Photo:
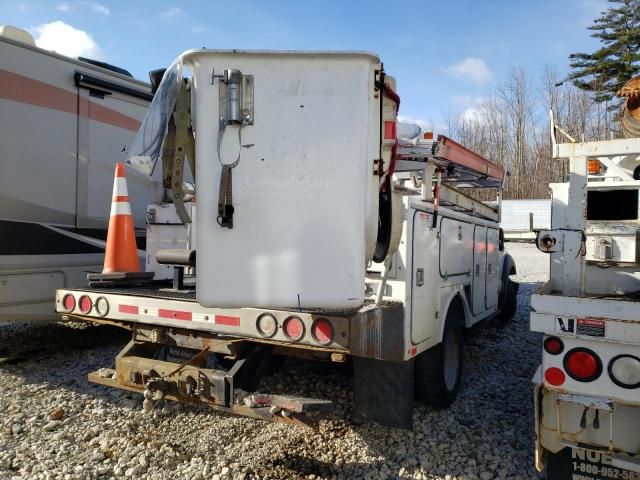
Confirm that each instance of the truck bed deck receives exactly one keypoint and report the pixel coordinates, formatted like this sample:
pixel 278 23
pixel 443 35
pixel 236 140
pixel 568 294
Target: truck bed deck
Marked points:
pixel 162 290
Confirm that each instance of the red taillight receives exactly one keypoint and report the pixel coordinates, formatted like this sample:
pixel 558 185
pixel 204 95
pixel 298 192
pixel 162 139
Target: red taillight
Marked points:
pixel 553 345
pixel 554 376
pixel 293 328
pixel 389 130
pixel 68 302
pixel 322 331
pixel 582 364
pixel 85 304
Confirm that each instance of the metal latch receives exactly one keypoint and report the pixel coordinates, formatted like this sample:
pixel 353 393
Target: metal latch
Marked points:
pixel 420 277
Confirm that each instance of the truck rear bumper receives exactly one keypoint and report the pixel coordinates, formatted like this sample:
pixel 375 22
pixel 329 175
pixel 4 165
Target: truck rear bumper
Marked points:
pixel 564 420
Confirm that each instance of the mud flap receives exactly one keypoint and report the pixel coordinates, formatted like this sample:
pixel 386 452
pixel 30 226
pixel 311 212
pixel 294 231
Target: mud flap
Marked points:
pixel 383 392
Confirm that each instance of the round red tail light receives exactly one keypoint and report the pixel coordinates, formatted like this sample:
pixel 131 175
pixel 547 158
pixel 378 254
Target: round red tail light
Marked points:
pixel 582 364
pixel 267 325
pixel 293 328
pixel 68 302
pixel 322 331
pixel 553 345
pixel 85 304
pixel 554 376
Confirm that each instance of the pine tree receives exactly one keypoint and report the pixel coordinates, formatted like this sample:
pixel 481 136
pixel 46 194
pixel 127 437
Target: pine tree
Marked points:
pixel 608 68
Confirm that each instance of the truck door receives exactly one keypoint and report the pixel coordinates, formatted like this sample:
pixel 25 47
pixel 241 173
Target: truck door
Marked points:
pixel 479 269
pixel 425 277
pixel 492 283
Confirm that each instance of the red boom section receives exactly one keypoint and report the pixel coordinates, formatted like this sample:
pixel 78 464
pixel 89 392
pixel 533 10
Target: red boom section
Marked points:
pixel 452 151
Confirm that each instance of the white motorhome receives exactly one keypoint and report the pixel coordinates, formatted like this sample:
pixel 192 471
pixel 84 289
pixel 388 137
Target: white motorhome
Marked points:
pixel 318 234
pixel 65 123
pixel 587 394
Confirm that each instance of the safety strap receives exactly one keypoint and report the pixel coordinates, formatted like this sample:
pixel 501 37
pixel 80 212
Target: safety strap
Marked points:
pixel 225 191
pixel 225 197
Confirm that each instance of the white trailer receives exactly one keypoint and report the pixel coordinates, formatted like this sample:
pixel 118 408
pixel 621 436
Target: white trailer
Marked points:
pixel 521 219
pixel 587 393
pixel 318 234
pixel 65 122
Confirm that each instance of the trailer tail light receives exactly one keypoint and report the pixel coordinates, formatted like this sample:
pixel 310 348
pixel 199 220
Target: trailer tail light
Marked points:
pixel 554 376
pixel 293 328
pixel 267 325
pixel 582 364
pixel 624 371
pixel 322 331
pixel 101 306
pixel 593 166
pixel 553 345
pixel 68 302
pixel 85 304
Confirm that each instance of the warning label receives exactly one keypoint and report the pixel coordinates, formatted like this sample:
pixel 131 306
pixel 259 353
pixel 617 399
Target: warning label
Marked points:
pixel 593 327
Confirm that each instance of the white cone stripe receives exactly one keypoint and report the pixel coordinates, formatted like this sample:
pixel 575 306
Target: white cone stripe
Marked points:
pixel 120 187
pixel 120 208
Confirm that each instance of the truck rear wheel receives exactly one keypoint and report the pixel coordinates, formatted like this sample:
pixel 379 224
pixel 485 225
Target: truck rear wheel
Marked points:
pixel 510 305
pixel 438 371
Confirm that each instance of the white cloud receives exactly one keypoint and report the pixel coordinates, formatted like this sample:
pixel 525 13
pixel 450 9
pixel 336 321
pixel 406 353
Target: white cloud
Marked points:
pixel 172 12
pixel 474 69
pixel 67 40
pixel 98 8
pixel 425 125
pixel 198 29
pixel 63 7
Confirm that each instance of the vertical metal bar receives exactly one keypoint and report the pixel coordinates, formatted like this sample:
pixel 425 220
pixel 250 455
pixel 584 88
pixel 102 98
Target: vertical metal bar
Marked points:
pixel 573 261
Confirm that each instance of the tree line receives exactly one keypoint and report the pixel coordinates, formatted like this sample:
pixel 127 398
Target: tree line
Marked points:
pixel 512 128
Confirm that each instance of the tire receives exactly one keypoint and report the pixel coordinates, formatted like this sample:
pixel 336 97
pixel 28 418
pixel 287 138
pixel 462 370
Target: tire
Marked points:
pixel 510 305
pixel 438 371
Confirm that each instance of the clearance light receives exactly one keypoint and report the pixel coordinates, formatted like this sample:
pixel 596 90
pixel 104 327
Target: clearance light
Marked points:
pixel 553 345
pixel 322 331
pixel 267 325
pixel 624 370
pixel 85 304
pixel 293 328
pixel 593 167
pixel 554 376
pixel 582 364
pixel 102 306
pixel 68 302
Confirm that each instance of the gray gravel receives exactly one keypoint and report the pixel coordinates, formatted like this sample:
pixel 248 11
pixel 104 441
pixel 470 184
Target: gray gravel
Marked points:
pixel 54 424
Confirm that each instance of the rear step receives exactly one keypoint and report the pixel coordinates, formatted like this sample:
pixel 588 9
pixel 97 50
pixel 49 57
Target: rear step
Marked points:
pixel 147 368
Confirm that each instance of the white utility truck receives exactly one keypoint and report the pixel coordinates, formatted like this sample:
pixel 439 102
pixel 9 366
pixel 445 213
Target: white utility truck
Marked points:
pixel 319 234
pixel 587 394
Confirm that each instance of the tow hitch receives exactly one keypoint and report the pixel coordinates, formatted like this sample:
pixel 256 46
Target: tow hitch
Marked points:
pixel 168 371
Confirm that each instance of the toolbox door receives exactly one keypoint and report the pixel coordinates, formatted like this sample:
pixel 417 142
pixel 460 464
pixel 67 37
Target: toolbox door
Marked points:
pixel 492 282
pixel 479 269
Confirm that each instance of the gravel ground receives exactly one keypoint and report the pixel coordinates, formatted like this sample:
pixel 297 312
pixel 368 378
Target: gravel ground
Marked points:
pixel 54 424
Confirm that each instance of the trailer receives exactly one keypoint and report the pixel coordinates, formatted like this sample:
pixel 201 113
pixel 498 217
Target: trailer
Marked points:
pixel 312 231
pixel 521 219
pixel 65 123
pixel 587 389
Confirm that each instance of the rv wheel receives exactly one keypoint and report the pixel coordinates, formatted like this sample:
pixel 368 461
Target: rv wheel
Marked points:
pixel 438 371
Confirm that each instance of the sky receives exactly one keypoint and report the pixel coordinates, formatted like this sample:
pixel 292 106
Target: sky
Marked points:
pixel 446 55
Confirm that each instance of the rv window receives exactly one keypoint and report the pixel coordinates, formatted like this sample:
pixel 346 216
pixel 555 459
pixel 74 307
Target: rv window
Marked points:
pixel 612 205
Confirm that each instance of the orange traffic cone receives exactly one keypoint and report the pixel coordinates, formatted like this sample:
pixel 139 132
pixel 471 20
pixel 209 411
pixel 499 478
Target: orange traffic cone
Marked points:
pixel 121 254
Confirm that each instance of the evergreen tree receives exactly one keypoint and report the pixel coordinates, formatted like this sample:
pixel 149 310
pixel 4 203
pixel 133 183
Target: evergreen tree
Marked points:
pixel 608 68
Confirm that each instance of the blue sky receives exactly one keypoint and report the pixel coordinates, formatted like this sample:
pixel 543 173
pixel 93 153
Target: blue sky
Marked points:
pixel 445 55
